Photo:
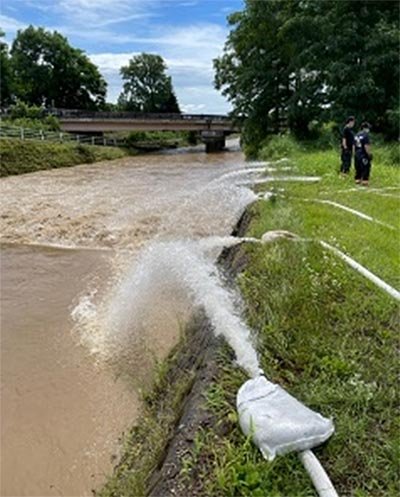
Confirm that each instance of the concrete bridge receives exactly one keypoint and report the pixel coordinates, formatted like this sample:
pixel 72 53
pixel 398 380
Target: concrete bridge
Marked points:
pixel 212 128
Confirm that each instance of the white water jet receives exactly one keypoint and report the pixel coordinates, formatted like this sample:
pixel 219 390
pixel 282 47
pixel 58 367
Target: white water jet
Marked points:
pixel 271 179
pixel 239 172
pixel 258 163
pixel 167 267
pixel 220 242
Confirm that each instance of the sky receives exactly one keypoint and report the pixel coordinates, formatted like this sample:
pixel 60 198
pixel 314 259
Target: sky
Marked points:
pixel 188 34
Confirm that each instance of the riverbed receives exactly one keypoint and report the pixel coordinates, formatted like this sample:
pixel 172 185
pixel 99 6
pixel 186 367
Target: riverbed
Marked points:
pixel 82 323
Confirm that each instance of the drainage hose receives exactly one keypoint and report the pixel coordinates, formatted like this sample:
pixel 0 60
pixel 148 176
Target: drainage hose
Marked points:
pixel 320 479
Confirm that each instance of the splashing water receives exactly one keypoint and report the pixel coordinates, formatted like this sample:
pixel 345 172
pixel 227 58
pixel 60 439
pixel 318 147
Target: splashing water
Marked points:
pixel 179 266
pixel 172 277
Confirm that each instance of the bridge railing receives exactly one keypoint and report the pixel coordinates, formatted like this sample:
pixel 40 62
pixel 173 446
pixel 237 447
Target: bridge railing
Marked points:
pixel 84 114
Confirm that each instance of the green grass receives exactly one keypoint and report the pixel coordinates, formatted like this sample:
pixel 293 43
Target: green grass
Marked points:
pixel 25 156
pixel 324 333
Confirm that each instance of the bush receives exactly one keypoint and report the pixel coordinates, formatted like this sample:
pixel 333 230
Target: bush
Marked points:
pixel 160 138
pixel 393 118
pixel 25 116
pixel 325 135
pixel 251 150
pixel 136 136
pixel 48 123
pixel 278 146
pixel 387 155
pixel 23 110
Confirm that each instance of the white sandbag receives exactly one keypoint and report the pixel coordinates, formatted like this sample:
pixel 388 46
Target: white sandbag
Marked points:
pixel 277 422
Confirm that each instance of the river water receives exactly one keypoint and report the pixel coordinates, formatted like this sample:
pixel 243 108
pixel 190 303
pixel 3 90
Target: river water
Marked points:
pixel 90 300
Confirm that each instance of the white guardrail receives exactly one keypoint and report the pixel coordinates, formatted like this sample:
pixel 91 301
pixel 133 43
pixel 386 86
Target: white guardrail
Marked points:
pixel 7 131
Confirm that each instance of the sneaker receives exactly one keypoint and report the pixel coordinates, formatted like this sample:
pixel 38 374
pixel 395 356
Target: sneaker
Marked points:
pixel 365 183
pixel 358 181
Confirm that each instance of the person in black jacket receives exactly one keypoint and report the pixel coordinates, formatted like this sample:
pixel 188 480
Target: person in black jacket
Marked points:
pixel 347 145
pixel 363 155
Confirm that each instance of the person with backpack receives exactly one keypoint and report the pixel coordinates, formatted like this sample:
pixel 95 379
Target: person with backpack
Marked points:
pixel 363 155
pixel 347 145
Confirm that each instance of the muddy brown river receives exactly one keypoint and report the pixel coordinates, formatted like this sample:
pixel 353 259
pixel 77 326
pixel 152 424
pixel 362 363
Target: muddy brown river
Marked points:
pixel 82 322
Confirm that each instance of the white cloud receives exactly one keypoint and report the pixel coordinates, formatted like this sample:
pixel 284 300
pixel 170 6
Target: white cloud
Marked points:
pixel 11 25
pixel 110 63
pixel 189 4
pixel 99 13
pixel 192 82
pixel 187 50
pixel 203 99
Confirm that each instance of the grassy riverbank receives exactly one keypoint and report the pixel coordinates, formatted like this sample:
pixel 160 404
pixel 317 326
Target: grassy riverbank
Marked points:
pixel 322 331
pixel 26 156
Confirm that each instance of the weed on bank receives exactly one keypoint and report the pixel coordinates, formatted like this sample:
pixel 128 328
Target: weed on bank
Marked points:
pixel 323 332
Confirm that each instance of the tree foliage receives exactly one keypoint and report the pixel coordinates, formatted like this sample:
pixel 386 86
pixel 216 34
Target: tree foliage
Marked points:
pixel 47 70
pixel 5 73
pixel 290 62
pixel 147 87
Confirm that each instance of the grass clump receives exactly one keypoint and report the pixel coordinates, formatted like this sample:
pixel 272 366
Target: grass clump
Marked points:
pixel 26 156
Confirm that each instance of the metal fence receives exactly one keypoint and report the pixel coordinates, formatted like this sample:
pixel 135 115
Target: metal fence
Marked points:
pixel 9 131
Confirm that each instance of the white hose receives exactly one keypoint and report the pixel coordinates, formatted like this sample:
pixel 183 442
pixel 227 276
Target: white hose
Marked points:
pixel 320 479
pixel 364 271
pixel 349 209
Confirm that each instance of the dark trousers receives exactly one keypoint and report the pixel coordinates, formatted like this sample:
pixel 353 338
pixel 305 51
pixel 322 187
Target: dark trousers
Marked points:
pixel 346 161
pixel 363 167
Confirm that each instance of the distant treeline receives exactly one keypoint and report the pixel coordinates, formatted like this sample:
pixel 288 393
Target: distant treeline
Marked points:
pixel 302 63
pixel 42 69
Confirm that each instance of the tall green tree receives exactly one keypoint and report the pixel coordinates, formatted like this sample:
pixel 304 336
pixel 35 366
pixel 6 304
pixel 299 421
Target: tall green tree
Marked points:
pixel 47 70
pixel 294 61
pixel 5 73
pixel 362 58
pixel 267 70
pixel 147 87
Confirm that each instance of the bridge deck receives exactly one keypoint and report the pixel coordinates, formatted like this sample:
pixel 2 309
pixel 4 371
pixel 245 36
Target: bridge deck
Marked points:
pixel 97 125
pixel 83 121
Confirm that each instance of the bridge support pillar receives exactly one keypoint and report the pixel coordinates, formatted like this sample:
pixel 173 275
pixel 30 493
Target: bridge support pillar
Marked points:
pixel 214 140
